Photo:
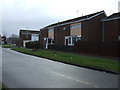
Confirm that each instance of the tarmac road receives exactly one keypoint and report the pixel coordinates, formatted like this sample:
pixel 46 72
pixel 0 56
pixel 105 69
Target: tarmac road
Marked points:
pixel 25 71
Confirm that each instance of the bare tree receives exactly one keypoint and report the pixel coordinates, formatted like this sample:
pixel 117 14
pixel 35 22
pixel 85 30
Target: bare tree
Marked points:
pixel 12 39
pixel 4 33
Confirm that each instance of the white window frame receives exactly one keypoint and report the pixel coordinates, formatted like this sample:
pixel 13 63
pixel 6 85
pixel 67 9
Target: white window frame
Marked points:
pixel 78 37
pixel 46 44
pixel 51 41
pixel 34 37
pixel 51 30
pixel 71 44
pixel 65 39
pixel 119 38
pixel 76 26
pixel 47 40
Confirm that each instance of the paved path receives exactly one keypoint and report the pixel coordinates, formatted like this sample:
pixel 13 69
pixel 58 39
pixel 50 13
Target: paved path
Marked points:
pixel 25 71
pixel 0 64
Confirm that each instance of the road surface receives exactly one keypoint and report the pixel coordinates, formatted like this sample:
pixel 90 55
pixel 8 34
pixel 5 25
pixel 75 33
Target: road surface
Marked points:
pixel 25 71
pixel 0 67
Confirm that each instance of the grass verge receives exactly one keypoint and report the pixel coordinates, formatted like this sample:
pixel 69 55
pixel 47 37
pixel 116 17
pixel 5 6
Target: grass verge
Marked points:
pixel 0 85
pixel 7 45
pixel 87 61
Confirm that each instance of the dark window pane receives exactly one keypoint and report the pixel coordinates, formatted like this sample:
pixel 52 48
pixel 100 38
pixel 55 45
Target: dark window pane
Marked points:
pixel 49 40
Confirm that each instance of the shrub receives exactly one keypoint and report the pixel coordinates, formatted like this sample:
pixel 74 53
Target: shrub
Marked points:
pixel 33 45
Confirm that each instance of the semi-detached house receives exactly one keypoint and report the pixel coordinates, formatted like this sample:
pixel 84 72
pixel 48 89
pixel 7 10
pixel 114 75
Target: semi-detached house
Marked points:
pixel 28 36
pixel 85 28
pixel 111 27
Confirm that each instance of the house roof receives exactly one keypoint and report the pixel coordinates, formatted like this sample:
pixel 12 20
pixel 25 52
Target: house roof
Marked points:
pixel 29 30
pixel 78 19
pixel 114 16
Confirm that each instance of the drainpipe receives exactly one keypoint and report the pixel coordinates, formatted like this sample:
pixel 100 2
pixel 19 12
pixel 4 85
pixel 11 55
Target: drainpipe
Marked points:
pixel 103 34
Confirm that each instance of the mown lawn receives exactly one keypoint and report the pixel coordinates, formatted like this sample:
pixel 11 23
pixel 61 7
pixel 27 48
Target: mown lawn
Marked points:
pixel 7 45
pixel 94 62
pixel 0 85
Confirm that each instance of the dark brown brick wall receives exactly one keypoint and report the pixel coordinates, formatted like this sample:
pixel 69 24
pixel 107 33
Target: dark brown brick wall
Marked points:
pixel 19 42
pixel 43 34
pixel 84 31
pixel 107 48
pixel 60 33
pixel 111 30
pixel 27 37
pixel 92 29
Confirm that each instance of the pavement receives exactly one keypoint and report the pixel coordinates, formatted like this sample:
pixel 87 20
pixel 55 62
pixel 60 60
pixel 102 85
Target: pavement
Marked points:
pixel 25 71
pixel 0 67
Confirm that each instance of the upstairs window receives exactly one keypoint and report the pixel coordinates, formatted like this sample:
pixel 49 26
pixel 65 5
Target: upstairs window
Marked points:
pixel 35 37
pixel 75 26
pixel 51 33
pixel 51 30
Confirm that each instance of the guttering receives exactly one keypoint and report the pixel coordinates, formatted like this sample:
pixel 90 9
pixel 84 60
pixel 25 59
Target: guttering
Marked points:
pixel 75 21
pixel 111 19
pixel 29 29
pixel 96 15
pixel 43 28
pixel 90 17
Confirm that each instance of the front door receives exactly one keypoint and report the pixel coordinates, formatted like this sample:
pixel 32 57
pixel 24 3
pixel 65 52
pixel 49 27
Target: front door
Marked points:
pixel 66 41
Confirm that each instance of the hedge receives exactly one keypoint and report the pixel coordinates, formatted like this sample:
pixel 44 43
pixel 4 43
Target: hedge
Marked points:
pixel 33 45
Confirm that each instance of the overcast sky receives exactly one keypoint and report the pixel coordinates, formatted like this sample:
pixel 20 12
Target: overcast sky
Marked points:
pixel 35 14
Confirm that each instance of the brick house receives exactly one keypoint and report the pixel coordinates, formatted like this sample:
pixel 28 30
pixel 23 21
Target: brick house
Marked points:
pixel 28 35
pixel 111 27
pixel 85 28
pixel 0 39
pixel 110 44
pixel 3 40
